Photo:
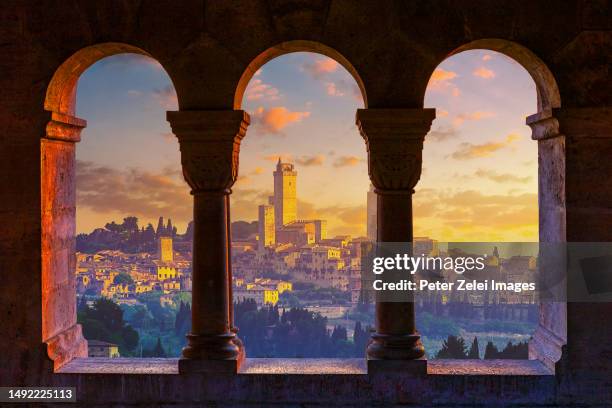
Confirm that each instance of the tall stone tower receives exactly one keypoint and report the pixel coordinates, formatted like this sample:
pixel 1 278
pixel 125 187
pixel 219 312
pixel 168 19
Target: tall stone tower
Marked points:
pixel 285 194
pixel 266 226
pixel 371 211
pixel 165 249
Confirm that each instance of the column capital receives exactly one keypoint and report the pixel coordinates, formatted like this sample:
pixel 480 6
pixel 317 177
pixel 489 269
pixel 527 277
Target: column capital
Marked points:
pixel 64 128
pixel 543 125
pixel 210 145
pixel 394 140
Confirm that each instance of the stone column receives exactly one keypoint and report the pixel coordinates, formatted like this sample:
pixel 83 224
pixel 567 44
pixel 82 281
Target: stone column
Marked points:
pixel 394 140
pixel 210 144
pixel 60 330
pixel 551 334
pixel 587 191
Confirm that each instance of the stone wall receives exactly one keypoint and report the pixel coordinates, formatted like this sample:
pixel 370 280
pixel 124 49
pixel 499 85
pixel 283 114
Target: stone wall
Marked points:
pixel 210 50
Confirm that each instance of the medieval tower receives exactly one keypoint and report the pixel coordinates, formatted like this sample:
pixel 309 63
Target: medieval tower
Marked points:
pixel 285 194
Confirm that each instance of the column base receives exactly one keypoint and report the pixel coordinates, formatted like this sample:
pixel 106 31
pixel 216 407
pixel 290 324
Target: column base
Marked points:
pixel 239 344
pixel 395 347
pixel 414 368
pixel 222 353
pixel 212 353
pixel 66 346
pixel 186 366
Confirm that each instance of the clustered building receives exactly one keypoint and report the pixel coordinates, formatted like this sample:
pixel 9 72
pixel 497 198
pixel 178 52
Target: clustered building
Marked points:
pixel 518 306
pixel 123 276
pixel 297 249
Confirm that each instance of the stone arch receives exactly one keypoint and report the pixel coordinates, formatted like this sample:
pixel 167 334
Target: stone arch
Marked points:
pixel 550 336
pixel 60 331
pixel 61 92
pixel 548 93
pixel 289 47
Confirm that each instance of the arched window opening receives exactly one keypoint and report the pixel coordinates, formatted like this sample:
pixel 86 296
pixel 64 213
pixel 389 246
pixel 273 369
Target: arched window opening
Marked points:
pixel 299 209
pixel 133 250
pixel 480 184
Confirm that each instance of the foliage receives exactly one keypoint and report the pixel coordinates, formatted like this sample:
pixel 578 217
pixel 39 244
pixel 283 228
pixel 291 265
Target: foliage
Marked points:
pixel 104 321
pixel 123 278
pixel 453 347
pixel 288 299
pixel 294 332
pixel 511 351
pixel 436 326
pixel 474 352
pixel 157 351
pixel 182 321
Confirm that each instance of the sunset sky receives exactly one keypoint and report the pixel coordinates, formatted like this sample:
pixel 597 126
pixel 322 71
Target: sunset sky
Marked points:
pixel 479 180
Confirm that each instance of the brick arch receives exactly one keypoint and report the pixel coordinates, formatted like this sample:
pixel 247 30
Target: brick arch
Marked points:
pixel 61 92
pixel 289 47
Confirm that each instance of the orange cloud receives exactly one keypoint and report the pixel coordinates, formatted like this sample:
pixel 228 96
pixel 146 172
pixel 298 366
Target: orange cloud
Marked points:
pixel 259 90
pixel 477 115
pixel 484 73
pixel 341 219
pixel 320 67
pixel 441 134
pixel 105 190
pixel 347 161
pixel 469 151
pixel 285 157
pixel 470 215
pixel 440 75
pixel 306 161
pixel 274 120
pixel 501 177
pixel 440 81
pixel 486 57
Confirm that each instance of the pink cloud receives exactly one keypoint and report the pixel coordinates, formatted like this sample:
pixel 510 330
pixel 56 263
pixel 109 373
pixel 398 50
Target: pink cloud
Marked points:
pixel 274 120
pixel 347 161
pixel 441 81
pixel 320 67
pixel 166 97
pixel 286 157
pixel 469 151
pixel 332 89
pixel 477 115
pixel 259 90
pixel 440 75
pixel 486 57
pixel 483 72
pixel 313 160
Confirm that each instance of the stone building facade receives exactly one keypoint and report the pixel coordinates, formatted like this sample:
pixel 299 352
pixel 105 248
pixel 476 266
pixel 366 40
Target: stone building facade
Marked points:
pixel 210 50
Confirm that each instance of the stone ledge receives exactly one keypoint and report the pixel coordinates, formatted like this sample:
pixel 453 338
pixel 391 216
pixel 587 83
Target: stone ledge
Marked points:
pixel 121 366
pixel 487 367
pixel 297 366
pixel 312 366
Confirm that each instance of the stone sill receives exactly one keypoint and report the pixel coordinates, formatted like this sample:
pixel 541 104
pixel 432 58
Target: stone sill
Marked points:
pixel 300 366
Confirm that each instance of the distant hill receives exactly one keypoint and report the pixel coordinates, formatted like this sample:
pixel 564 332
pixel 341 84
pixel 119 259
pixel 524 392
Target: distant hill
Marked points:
pixel 241 230
pixel 128 237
